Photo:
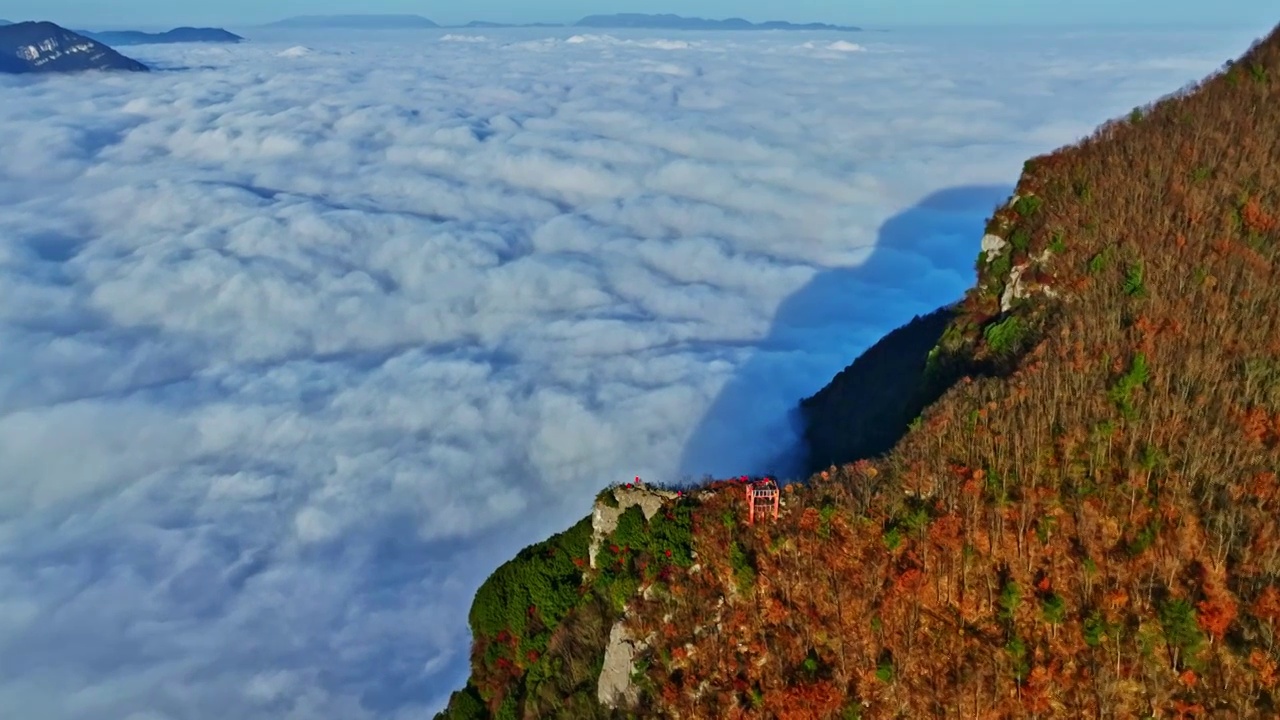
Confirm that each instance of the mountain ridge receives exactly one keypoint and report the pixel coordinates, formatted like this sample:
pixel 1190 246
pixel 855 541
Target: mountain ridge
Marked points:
pixel 42 47
pixel 603 21
pixel 176 35
pixel 1081 523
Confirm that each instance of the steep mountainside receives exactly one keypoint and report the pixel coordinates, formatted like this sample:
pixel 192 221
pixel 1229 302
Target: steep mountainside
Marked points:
pixel 176 35
pixel 44 47
pixel 866 409
pixel 1084 523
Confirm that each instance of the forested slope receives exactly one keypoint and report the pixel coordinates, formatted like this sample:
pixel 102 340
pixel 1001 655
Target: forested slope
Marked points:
pixel 1083 524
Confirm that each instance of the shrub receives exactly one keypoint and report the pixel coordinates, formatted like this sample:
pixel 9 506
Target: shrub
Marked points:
pixel 744 572
pixel 1122 392
pixel 465 704
pixel 607 498
pixel 1044 526
pixel 892 538
pixel 1133 282
pixel 1019 662
pixel 1094 629
pixel 810 665
pixel 1010 598
pixel 917 520
pixel 1020 240
pixel 1144 539
pixel 1181 632
pixel 1028 205
pixel 1006 336
pixel 1100 261
pixel 824 519
pixel 508 710
pixel 1057 244
pixel 1000 267
pixel 1053 609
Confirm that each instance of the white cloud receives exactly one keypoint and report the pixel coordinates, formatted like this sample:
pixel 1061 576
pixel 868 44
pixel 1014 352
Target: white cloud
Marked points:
pixel 298 342
pixel 610 40
pixel 838 46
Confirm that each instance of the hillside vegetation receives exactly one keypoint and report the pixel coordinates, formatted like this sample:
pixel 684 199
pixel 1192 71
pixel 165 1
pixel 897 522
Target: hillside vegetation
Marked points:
pixel 1083 524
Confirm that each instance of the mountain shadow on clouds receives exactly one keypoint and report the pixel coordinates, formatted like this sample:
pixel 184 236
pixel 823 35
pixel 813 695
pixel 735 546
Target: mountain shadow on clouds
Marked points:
pixel 922 262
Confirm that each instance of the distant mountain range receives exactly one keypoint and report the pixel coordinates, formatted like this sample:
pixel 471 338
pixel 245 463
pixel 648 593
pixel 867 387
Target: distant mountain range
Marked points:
pixel 618 21
pixel 483 24
pixel 405 22
pixel 176 35
pixel 40 47
pixel 677 22
pixel 355 22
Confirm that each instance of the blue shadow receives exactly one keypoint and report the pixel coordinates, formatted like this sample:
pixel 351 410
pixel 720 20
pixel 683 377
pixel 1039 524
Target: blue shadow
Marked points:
pixel 923 259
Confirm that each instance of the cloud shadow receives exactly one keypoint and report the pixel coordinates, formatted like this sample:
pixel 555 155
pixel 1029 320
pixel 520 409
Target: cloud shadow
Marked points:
pixel 923 260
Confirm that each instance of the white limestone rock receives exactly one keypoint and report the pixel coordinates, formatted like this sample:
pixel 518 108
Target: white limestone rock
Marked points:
pixel 992 246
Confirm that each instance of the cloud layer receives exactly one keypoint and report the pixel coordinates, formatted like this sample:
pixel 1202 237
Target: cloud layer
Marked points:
pixel 299 339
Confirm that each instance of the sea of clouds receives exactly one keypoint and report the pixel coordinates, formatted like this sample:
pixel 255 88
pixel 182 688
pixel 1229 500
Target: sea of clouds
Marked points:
pixel 299 339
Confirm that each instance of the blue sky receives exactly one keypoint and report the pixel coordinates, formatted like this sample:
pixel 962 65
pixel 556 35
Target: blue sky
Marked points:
pixel 867 12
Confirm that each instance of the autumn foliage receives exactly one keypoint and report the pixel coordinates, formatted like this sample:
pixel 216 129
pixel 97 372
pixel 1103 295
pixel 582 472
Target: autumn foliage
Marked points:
pixel 1086 523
